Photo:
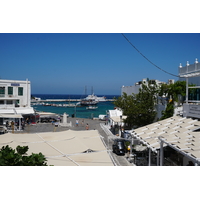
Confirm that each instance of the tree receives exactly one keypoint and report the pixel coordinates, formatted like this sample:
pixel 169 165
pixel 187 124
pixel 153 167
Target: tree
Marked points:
pixel 139 108
pixel 169 111
pixel 172 92
pixel 10 157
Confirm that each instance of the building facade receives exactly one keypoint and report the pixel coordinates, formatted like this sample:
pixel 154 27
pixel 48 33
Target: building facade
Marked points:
pixel 15 98
pixel 191 73
pixel 129 90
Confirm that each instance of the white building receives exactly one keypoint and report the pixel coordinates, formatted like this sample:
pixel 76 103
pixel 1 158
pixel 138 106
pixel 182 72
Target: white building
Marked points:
pixel 181 134
pixel 15 96
pixel 191 73
pixel 129 90
pixel 116 120
pixel 161 103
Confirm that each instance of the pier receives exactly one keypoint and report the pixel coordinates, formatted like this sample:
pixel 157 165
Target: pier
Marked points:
pixel 61 100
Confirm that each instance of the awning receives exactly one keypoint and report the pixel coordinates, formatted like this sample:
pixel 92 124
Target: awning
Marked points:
pixel 7 111
pixel 10 116
pixel 66 148
pixel 24 111
pixel 118 118
pixel 47 114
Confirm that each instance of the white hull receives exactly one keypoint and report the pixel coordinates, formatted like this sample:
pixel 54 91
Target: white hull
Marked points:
pixel 95 98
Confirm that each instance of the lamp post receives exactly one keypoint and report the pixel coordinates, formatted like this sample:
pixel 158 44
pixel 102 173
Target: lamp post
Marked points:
pixel 75 111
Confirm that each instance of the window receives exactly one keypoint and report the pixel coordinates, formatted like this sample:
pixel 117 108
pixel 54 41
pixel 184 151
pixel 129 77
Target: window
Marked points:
pixel 10 90
pixel 20 91
pixel 2 91
pixel 17 103
pixel 9 102
pixel 1 102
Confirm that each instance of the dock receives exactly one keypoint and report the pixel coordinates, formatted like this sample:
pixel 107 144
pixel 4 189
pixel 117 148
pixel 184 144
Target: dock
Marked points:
pixel 61 100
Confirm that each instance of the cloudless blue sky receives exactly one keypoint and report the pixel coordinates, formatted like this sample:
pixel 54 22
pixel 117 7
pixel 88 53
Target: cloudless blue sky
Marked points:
pixel 65 63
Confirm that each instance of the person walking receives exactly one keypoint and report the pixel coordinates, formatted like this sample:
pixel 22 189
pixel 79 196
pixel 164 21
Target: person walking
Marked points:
pixel 13 126
pixel 77 122
pixel 55 126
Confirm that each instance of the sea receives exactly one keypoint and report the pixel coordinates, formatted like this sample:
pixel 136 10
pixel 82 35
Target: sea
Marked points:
pixel 79 112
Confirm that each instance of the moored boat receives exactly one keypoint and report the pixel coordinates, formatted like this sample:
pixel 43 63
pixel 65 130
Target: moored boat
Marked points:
pixel 96 98
pixel 91 107
pixel 88 102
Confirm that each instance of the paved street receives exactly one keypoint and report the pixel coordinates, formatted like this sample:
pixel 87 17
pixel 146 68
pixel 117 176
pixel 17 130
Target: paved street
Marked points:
pixel 107 136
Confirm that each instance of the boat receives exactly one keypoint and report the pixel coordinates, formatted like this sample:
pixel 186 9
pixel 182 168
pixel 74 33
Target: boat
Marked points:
pixel 91 107
pixel 91 99
pixel 88 102
pixel 96 98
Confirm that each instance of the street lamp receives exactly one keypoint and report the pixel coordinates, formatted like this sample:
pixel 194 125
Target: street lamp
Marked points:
pixel 75 111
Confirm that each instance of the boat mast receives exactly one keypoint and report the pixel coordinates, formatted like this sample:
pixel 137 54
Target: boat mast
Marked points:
pixel 92 90
pixel 85 90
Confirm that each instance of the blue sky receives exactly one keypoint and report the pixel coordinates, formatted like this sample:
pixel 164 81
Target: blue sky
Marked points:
pixel 64 63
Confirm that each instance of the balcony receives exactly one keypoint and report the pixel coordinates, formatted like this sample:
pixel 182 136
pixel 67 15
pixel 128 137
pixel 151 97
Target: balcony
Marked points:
pixel 191 110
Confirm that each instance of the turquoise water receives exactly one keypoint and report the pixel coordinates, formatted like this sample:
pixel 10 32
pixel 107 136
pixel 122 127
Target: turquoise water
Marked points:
pixel 80 112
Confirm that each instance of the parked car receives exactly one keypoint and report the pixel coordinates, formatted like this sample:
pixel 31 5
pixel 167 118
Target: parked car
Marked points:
pixel 126 135
pixel 119 147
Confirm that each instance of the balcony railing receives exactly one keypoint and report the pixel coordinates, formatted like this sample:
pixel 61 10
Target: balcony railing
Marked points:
pixel 189 69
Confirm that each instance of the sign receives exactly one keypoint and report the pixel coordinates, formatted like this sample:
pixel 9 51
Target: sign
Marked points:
pixel 15 84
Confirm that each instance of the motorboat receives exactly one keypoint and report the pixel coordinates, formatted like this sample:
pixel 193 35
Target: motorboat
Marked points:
pixel 91 107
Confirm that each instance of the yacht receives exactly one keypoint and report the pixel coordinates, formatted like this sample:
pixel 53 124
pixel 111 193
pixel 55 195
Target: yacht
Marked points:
pixel 88 102
pixel 95 98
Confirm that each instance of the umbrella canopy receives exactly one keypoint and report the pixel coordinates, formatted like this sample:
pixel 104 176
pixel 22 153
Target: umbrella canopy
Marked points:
pixel 67 148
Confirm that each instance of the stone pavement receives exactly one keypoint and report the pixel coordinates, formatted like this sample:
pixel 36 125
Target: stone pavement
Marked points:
pixel 48 127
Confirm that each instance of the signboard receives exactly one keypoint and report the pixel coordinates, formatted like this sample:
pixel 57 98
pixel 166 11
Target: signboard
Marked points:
pixel 15 84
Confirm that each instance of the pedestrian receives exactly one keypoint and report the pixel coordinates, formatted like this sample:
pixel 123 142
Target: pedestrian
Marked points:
pixel 77 122
pixel 12 126
pixel 27 121
pixel 82 122
pixel 7 124
pixel 23 124
pixel 56 125
pixel 87 127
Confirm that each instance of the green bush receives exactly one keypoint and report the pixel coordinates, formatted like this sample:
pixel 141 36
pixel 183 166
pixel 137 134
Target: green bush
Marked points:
pixel 10 157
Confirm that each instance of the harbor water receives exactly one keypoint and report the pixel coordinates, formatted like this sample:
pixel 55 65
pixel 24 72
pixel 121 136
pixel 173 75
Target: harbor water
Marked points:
pixel 79 112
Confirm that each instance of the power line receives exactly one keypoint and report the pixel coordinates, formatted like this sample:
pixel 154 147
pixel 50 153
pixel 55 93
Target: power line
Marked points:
pixel 147 58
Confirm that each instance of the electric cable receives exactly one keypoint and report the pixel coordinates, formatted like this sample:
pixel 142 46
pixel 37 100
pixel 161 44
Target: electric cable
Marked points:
pixel 147 58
